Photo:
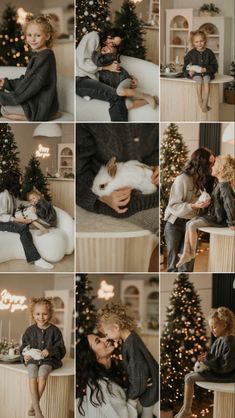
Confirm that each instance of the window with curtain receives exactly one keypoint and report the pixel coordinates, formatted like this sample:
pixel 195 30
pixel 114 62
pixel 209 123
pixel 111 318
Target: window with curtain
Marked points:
pixel 210 136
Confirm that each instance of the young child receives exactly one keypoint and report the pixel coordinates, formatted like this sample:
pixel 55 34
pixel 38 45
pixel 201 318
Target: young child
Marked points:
pixel 33 96
pixel 122 80
pixel 220 361
pixel 47 338
pixel 220 212
pixel 207 64
pixel 142 369
pixel 43 209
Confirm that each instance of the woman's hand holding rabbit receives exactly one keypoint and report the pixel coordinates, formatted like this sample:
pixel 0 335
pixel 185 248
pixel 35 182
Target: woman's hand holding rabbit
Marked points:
pixel 155 175
pixel 22 220
pixel 27 358
pixel 200 205
pixel 201 357
pixel 118 199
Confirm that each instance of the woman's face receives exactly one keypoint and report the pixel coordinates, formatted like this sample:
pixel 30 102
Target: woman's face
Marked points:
pixel 116 41
pixel 101 347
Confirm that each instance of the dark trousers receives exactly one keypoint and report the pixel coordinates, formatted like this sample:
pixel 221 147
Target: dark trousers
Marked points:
pixel 30 250
pixel 174 236
pixel 85 86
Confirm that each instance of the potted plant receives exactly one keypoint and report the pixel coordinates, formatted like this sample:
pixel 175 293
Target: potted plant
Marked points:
pixel 229 91
pixel 209 9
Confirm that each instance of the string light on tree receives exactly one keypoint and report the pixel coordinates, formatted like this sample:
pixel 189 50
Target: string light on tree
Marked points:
pixel 183 339
pixel 133 28
pixel 85 309
pixel 92 15
pixel 13 50
pixel 174 154
pixel 9 160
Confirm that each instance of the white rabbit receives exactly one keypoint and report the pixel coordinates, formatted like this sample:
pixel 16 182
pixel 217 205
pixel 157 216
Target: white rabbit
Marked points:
pixel 33 352
pixel 195 68
pixel 204 197
pixel 200 367
pixel 115 176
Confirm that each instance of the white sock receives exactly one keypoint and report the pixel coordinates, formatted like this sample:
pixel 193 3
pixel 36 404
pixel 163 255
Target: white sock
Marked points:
pixel 43 264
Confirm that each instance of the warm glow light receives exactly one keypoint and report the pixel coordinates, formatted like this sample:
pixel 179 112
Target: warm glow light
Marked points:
pixel 105 291
pixel 12 302
pixel 21 16
pixel 42 152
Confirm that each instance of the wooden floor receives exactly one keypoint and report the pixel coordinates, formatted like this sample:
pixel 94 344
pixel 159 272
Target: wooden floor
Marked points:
pixel 66 265
pixel 201 261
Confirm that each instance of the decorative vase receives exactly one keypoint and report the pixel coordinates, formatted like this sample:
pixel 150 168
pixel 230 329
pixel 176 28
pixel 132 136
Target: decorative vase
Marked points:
pixel 205 13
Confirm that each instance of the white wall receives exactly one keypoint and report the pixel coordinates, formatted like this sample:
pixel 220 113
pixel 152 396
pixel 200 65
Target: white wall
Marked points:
pixel 225 147
pixel 202 283
pixel 27 144
pixel 190 132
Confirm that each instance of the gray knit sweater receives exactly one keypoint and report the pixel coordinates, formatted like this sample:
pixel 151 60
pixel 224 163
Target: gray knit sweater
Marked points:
pixel 35 91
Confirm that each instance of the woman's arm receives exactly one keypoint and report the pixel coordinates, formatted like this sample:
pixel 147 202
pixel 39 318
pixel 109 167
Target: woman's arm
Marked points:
pixel 87 45
pixel 178 205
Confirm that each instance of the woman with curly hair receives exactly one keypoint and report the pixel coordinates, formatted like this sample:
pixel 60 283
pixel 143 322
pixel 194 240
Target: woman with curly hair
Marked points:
pixel 219 363
pixel 220 212
pixel 99 381
pixel 142 369
pixel 183 203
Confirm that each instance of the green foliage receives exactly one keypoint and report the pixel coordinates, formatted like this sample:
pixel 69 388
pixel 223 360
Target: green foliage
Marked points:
pixel 9 160
pixel 173 157
pixel 34 178
pixel 91 15
pixel 13 50
pixel 183 339
pixel 85 309
pixel 128 22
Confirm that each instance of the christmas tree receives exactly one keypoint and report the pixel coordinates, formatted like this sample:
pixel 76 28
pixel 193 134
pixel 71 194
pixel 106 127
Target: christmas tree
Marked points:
pixel 133 29
pixel 183 339
pixel 13 50
pixel 91 15
pixel 173 157
pixel 34 178
pixel 85 309
pixel 9 160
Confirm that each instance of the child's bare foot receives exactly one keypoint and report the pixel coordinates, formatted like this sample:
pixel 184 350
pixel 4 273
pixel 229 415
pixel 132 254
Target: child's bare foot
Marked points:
pixel 184 258
pixel 31 412
pixel 151 100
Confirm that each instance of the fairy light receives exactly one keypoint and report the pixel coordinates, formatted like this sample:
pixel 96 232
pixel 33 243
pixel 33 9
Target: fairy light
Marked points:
pixel 12 302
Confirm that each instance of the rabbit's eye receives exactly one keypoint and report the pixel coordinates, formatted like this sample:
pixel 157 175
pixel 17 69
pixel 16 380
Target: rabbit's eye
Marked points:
pixel 102 186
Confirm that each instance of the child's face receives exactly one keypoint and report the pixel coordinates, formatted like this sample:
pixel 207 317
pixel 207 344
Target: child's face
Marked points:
pixel 199 42
pixel 101 347
pixel 111 331
pixel 116 41
pixel 217 328
pixel 33 199
pixel 36 37
pixel 41 315
pixel 108 49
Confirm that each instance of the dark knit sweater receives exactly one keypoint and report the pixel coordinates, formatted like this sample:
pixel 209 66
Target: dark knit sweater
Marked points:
pixel 140 366
pixel 204 59
pixel 50 339
pixel 35 91
pixel 46 212
pixel 221 361
pixel 111 78
pixel 96 143
pixel 222 208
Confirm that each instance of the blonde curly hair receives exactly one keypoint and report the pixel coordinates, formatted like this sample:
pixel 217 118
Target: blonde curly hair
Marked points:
pixel 48 24
pixel 116 313
pixel 41 301
pixel 224 167
pixel 224 315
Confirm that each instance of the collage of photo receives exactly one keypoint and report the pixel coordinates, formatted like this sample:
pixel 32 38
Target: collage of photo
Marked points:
pixel 117 209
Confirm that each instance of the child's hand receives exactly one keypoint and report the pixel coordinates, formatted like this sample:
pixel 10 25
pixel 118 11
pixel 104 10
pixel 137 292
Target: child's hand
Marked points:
pixel 134 82
pixel 114 67
pixel 201 357
pixel 203 70
pixel 149 383
pixel 45 353
pixel 191 73
pixel 155 175
pixel 200 205
pixel 27 358
pixel 23 220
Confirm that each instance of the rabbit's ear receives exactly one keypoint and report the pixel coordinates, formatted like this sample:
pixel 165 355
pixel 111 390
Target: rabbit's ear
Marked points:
pixel 112 167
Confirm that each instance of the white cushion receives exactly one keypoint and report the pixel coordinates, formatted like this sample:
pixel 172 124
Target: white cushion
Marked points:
pixel 51 246
pixel 65 88
pixel 147 74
